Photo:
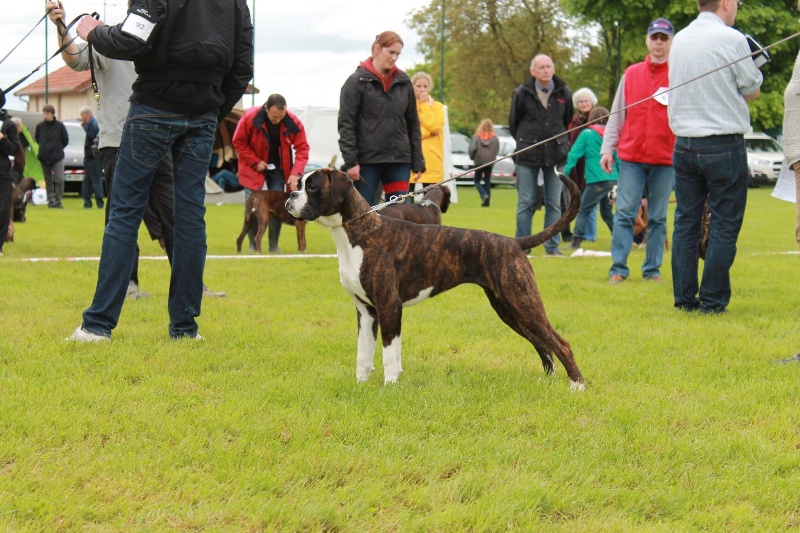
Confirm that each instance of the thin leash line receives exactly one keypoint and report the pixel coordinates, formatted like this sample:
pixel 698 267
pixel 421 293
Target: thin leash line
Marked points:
pixel 23 39
pixel 567 132
pixel 62 48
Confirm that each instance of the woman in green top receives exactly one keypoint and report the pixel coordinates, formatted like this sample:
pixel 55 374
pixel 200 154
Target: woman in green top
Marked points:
pixel 598 183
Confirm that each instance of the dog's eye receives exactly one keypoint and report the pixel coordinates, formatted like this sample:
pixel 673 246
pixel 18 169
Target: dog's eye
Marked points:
pixel 310 186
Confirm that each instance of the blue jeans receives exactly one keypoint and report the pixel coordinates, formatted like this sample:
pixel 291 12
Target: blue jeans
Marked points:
pixel 590 230
pixel 92 182
pixel 148 136
pixel 712 167
pixel 483 182
pixel 393 176
pixel 655 182
pixel 526 191
pixel 594 194
pixel 227 180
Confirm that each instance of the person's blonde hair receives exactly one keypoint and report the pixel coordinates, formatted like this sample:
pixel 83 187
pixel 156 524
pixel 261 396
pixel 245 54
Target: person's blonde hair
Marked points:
pixel 387 38
pixel 486 125
pixel 425 75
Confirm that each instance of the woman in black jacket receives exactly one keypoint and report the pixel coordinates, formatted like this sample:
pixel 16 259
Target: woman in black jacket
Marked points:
pixel 379 134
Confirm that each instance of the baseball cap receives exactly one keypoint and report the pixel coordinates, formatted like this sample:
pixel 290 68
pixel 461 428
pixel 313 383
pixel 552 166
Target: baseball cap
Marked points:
pixel 661 25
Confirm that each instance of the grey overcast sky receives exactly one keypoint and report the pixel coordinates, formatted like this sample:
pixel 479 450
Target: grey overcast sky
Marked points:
pixel 305 49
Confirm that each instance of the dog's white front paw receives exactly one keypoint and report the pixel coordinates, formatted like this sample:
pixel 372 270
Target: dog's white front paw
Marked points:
pixel 575 386
pixel 362 374
pixel 390 376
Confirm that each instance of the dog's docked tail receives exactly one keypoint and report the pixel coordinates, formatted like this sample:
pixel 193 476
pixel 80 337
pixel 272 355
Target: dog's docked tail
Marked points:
pixel 532 241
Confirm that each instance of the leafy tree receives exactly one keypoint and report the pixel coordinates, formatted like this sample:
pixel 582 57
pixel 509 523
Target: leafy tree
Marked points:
pixel 766 20
pixel 489 47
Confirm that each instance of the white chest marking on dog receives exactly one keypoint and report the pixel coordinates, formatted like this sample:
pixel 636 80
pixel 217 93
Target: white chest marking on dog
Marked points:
pixel 350 260
pixel 421 297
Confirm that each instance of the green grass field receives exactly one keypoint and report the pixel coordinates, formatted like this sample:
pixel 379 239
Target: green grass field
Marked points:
pixel 686 424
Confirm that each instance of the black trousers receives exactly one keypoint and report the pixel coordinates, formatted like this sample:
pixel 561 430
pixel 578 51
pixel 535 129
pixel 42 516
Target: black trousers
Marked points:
pixel 158 215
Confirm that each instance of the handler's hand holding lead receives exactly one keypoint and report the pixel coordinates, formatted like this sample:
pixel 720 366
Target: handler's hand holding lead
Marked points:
pixel 54 11
pixel 354 172
pixel 86 25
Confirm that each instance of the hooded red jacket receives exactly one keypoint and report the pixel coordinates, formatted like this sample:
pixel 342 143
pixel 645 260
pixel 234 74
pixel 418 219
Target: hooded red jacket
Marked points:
pixel 251 141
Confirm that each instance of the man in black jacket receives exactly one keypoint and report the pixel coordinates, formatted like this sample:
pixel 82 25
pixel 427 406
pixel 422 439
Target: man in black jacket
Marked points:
pixel 52 137
pixel 540 108
pixel 193 62
pixel 9 147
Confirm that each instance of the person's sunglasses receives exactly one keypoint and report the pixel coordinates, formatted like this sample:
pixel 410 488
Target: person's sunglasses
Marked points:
pixel 660 37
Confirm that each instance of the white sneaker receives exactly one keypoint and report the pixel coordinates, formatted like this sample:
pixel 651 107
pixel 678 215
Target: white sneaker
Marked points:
pixel 81 335
pixel 134 293
pixel 197 337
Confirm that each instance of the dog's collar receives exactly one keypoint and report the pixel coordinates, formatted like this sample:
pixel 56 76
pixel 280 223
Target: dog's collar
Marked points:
pixel 375 208
pixel 426 203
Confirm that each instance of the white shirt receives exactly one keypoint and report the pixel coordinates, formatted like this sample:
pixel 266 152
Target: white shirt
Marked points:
pixel 714 104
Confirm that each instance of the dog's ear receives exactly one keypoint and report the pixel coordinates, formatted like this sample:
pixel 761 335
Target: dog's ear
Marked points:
pixel 340 186
pixel 446 199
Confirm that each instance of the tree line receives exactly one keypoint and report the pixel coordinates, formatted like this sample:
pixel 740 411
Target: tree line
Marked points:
pixel 488 46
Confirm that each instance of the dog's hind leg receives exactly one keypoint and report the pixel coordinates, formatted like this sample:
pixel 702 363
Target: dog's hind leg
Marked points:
pixel 245 228
pixel 508 317
pixel 527 309
pixel 367 337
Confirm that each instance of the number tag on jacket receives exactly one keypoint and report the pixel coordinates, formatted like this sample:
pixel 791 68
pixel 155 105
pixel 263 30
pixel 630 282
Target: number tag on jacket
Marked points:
pixel 138 26
pixel 661 95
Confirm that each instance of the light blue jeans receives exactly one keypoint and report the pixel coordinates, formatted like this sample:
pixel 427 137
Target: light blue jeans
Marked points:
pixel 148 136
pixel 655 182
pixel 526 191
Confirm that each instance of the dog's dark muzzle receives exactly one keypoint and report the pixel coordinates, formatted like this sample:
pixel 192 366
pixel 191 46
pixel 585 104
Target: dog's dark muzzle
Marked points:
pixel 305 213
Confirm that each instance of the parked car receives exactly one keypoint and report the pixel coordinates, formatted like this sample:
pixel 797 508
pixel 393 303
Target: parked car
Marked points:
pixel 73 157
pixel 502 171
pixel 764 158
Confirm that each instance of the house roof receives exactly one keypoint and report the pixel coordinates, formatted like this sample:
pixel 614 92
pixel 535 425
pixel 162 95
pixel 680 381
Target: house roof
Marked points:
pixel 63 80
pixel 66 80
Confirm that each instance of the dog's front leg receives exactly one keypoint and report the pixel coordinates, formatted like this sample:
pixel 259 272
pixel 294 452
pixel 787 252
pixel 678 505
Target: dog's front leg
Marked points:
pixel 390 318
pixel 367 335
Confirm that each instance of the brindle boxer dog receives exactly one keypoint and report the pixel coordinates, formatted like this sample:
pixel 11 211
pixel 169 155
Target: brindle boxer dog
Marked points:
pixel 264 204
pixel 428 211
pixel 387 264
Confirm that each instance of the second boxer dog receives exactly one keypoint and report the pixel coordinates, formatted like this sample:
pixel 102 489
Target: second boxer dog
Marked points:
pixel 387 264
pixel 428 211
pixel 259 207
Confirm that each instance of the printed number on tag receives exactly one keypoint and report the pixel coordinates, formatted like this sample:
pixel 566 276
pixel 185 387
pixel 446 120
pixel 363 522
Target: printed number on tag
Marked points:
pixel 138 26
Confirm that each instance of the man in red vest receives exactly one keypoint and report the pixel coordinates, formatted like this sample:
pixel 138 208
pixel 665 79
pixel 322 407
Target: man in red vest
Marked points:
pixel 643 140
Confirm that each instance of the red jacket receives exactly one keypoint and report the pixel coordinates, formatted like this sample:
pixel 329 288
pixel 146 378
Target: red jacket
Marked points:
pixel 646 136
pixel 251 141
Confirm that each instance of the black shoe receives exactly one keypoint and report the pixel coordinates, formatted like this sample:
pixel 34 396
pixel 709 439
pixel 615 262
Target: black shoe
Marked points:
pixel 576 243
pixel 485 202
